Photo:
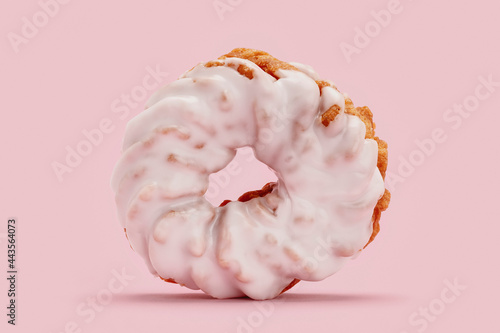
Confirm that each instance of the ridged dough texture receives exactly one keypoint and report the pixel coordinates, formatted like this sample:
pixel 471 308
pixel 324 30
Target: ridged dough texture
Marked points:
pixel 324 209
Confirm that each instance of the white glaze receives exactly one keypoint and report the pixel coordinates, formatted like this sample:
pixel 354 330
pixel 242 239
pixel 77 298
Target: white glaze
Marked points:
pixel 318 216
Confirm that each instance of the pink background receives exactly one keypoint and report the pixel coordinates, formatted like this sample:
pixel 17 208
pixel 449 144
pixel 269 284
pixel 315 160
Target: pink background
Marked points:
pixel 442 223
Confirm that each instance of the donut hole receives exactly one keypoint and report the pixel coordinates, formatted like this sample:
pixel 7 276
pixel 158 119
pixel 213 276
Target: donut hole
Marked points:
pixel 244 173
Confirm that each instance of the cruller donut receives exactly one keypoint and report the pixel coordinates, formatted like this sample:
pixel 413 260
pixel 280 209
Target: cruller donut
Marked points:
pixel 323 210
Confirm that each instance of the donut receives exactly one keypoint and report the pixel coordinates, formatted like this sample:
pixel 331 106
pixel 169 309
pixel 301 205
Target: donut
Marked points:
pixel 323 210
